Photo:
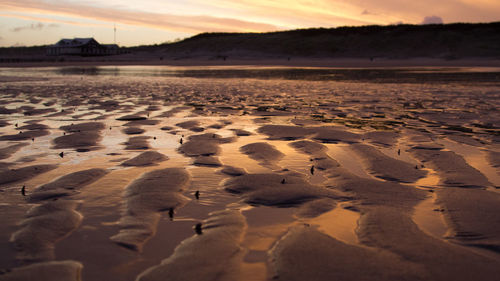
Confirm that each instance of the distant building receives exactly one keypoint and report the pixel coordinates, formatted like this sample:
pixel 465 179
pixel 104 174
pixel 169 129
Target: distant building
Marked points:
pixel 81 47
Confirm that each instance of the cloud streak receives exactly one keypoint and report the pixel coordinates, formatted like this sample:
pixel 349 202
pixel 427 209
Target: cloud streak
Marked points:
pixel 54 21
pixel 34 27
pixel 185 23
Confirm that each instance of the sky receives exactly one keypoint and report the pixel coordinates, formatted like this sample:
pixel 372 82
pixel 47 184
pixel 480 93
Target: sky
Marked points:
pixel 144 22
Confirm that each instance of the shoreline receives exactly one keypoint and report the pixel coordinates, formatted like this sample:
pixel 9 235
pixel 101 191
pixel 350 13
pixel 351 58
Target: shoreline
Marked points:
pixel 258 62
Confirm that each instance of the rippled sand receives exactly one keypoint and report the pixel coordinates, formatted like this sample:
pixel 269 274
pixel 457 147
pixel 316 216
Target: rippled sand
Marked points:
pixel 112 175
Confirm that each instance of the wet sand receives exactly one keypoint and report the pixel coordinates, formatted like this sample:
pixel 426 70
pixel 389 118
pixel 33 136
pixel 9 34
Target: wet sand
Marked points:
pixel 130 177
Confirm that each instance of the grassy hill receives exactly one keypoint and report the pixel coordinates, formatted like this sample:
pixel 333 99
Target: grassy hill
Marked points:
pixel 395 41
pixel 448 41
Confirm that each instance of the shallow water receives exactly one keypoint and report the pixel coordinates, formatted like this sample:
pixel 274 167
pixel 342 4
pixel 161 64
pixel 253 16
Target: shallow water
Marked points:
pixel 422 105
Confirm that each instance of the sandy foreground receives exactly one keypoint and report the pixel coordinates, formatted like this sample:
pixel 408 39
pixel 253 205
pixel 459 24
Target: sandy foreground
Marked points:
pixel 109 177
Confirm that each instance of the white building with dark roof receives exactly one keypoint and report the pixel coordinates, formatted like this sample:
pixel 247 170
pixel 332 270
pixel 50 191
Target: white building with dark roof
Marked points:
pixel 81 47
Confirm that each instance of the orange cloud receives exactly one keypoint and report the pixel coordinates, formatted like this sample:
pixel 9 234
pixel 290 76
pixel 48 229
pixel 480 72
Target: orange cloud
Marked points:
pixel 183 23
pixel 51 20
pixel 306 13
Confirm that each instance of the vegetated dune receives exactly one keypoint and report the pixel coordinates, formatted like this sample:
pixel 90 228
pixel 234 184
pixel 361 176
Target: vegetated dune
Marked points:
pixel 401 41
pixel 394 41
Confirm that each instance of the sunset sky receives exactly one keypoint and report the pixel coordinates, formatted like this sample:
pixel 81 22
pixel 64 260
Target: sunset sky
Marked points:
pixel 40 22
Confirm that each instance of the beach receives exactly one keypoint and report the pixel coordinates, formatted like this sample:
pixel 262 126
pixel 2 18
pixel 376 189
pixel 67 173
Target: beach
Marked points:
pixel 250 170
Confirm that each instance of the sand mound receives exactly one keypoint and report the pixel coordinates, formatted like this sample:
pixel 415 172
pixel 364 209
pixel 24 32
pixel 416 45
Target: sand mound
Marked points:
pixel 145 122
pixel 262 152
pixel 173 111
pixel 46 271
pixel 44 226
pixel 389 228
pixel 82 140
pixel 200 148
pixel 309 147
pixel 334 135
pixel 145 159
pixel 268 189
pixel 233 171
pixel 282 132
pixel 241 132
pixel 320 159
pixel 24 135
pixel 452 168
pixel 66 185
pixel 34 126
pixel 38 111
pixel 137 143
pixel 382 138
pixel 210 161
pixel 214 255
pixel 83 136
pixel 315 208
pixel 306 254
pixel 4 123
pixel 203 145
pixel 6 152
pixel 6 111
pixel 385 167
pixel 192 125
pixel 133 131
pixel 494 158
pixel 25 173
pixel 325 162
pixel 131 117
pixel 473 216
pixel 88 126
pixel 146 197
pixel 374 192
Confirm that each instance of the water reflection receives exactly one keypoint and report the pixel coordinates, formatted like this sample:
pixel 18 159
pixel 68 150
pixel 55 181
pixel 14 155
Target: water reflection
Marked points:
pixel 379 75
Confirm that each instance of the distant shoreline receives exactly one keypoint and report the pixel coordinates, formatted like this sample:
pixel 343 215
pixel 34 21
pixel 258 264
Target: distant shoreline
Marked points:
pixel 294 62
